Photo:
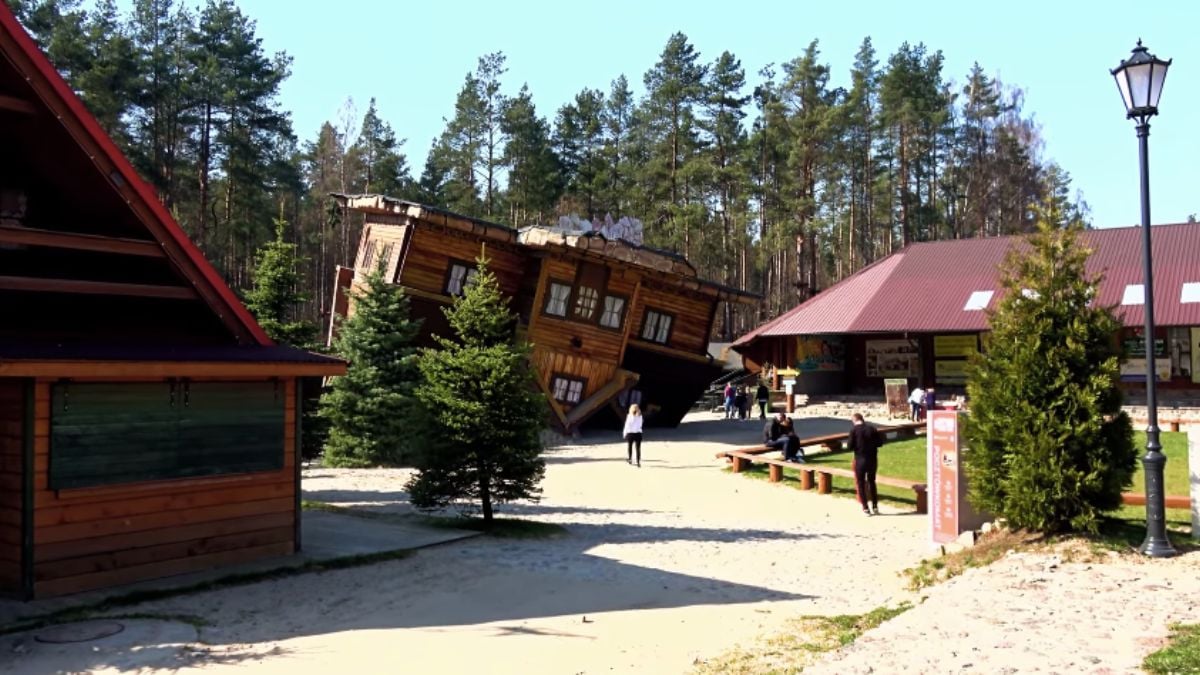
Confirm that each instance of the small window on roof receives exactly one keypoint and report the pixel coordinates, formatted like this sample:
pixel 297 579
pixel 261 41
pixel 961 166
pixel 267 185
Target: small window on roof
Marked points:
pixel 1190 292
pixel 979 300
pixel 1135 294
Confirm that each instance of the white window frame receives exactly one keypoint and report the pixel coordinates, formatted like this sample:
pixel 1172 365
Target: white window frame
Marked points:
pixel 460 277
pixel 614 312
pixel 556 303
pixel 567 389
pixel 657 326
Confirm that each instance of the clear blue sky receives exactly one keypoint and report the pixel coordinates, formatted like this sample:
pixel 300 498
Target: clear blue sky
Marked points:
pixel 412 57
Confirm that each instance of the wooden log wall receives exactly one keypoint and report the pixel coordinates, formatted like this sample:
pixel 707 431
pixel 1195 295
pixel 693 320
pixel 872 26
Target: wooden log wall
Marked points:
pixel 691 316
pixel 430 250
pixel 106 536
pixel 599 350
pixel 12 418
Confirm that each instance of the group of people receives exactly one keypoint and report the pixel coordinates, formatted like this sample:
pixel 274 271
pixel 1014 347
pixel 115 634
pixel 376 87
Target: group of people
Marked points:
pixel 922 401
pixel 864 441
pixel 737 401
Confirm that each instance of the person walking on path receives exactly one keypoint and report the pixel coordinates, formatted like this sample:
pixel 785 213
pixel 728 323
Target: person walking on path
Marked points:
pixel 728 400
pixel 763 396
pixel 917 399
pixel 739 401
pixel 865 441
pixel 633 434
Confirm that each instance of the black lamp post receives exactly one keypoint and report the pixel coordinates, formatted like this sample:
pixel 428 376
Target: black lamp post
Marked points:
pixel 1140 79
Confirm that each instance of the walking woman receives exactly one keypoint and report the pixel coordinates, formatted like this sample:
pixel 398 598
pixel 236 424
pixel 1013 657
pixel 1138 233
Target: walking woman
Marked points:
pixel 633 433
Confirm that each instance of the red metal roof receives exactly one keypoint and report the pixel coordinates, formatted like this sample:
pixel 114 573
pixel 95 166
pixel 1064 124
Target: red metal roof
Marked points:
pixel 925 287
pixel 56 88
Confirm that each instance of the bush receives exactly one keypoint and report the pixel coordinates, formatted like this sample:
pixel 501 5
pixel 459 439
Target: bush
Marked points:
pixel 1049 448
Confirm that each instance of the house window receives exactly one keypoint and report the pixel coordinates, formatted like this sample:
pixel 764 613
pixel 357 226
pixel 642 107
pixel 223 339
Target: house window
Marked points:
pixel 556 302
pixel 586 300
pixel 656 327
pixel 614 311
pixel 567 389
pixel 461 276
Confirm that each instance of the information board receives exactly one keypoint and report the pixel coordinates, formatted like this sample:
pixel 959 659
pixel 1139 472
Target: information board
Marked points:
pixel 896 394
pixel 944 473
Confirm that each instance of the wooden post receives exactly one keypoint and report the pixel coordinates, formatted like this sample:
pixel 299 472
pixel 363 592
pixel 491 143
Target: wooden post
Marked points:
pixel 776 473
pixel 739 463
pixel 806 479
pixel 824 483
pixel 922 499
pixel 1174 425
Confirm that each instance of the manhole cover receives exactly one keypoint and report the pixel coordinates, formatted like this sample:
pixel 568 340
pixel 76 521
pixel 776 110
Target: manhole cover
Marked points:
pixel 84 631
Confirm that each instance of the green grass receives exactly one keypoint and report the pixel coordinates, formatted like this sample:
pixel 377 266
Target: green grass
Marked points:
pixel 1181 655
pixel 799 642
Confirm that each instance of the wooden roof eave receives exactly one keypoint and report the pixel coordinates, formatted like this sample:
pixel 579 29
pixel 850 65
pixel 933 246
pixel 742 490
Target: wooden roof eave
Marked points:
pixel 165 369
pixel 386 206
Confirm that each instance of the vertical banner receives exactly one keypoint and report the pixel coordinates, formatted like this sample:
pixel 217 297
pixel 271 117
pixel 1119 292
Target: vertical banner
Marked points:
pixel 895 392
pixel 1195 356
pixel 944 475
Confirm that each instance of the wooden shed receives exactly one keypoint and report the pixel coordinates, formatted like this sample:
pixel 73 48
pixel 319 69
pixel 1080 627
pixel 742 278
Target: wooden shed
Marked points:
pixel 148 426
pixel 610 321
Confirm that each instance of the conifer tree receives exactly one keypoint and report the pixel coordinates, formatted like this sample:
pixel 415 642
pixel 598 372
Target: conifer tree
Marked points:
pixel 482 413
pixel 1050 448
pixel 276 297
pixel 370 408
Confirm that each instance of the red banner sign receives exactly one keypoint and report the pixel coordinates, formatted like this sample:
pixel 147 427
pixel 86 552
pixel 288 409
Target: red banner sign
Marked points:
pixel 945 470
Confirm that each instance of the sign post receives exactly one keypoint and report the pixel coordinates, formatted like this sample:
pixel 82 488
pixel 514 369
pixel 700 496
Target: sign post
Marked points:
pixel 895 391
pixel 1194 477
pixel 949 512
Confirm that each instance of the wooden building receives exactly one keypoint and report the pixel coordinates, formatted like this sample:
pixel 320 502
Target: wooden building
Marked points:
pixel 610 322
pixel 920 313
pixel 148 426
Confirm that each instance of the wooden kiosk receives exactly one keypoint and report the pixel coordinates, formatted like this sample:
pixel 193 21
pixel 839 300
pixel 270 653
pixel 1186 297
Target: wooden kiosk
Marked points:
pixel 148 426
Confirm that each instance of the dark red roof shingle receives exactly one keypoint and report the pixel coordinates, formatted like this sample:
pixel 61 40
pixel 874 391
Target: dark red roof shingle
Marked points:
pixel 925 286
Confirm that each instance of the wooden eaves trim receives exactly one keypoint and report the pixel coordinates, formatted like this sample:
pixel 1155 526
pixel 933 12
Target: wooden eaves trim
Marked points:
pixel 17 105
pixel 165 369
pixel 84 287
pixel 10 234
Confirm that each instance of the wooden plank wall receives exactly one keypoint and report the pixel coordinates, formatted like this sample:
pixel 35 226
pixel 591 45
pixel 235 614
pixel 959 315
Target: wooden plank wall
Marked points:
pixel 12 418
pixel 97 537
pixel 427 261
pixel 600 349
pixel 689 328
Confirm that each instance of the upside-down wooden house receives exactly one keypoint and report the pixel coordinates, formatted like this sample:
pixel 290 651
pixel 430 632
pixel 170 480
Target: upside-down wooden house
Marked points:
pixel 148 426
pixel 610 322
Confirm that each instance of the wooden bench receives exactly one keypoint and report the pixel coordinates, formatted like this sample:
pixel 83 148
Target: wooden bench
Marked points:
pixel 821 475
pixel 835 442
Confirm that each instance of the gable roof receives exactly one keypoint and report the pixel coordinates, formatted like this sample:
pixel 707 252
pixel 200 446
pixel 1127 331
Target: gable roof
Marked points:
pixel 926 286
pixel 57 99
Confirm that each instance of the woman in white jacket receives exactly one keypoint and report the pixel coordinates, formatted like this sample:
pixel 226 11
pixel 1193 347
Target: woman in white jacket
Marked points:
pixel 633 433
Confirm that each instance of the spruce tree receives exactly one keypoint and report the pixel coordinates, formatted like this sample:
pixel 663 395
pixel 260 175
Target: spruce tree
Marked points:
pixel 370 408
pixel 482 413
pixel 276 297
pixel 1050 448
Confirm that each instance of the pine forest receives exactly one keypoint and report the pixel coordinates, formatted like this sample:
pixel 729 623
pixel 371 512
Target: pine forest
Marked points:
pixel 775 181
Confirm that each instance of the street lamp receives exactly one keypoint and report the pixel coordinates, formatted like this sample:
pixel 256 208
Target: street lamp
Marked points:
pixel 1140 79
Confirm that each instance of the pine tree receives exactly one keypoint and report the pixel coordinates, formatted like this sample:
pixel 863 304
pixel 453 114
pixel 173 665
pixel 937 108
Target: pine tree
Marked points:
pixel 370 409
pixel 1050 448
pixel 482 412
pixel 535 173
pixel 384 169
pixel 276 295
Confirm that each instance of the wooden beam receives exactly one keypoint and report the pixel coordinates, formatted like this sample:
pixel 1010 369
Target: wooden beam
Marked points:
pixel 10 234
pixel 18 105
pixel 38 285
pixel 669 351
pixel 154 370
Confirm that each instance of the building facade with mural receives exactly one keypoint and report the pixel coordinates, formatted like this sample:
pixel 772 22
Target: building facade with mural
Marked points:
pixel 920 313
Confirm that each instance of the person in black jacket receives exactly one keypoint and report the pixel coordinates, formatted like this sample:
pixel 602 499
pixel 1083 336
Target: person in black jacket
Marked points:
pixel 865 441
pixel 781 435
pixel 763 396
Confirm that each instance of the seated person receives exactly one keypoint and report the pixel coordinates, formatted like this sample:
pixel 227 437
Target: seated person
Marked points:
pixel 781 435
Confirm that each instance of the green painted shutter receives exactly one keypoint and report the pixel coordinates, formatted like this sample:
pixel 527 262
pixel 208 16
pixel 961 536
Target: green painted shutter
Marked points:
pixel 111 433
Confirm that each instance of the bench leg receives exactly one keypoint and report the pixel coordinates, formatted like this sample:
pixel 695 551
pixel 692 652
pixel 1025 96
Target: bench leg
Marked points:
pixel 824 483
pixel 739 464
pixel 1174 425
pixel 776 473
pixel 922 499
pixel 806 479
pixel 833 446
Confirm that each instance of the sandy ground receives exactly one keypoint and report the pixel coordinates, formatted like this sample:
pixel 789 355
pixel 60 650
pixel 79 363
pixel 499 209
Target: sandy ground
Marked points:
pixel 664 565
